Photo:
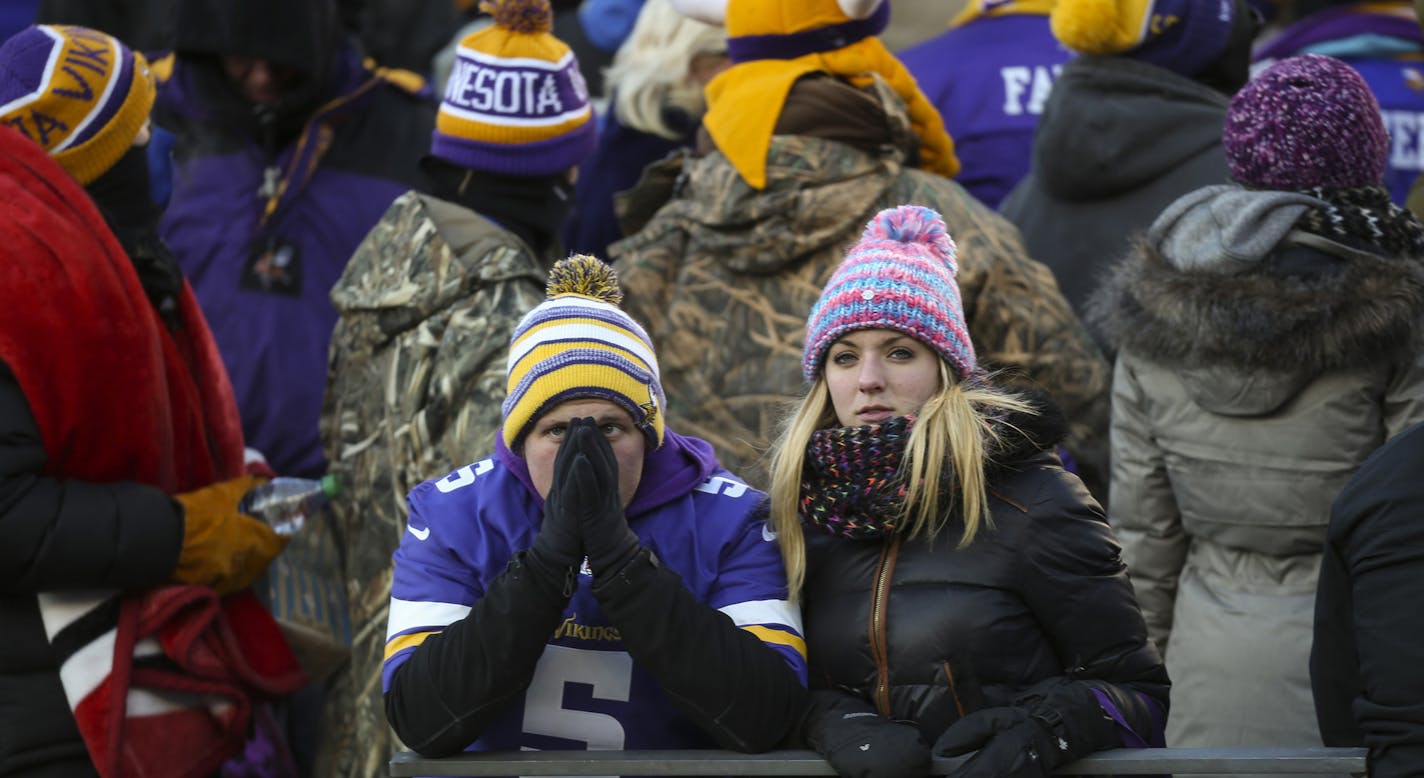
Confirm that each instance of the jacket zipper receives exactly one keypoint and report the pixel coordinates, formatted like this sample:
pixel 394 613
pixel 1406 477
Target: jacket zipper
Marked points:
pixel 879 648
pixel 953 690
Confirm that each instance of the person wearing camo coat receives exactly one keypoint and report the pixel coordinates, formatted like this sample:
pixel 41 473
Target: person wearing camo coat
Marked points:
pixel 724 273
pixel 416 372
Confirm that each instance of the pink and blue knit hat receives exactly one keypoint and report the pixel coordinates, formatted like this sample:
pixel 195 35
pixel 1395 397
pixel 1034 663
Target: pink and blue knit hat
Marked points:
pixel 900 277
pixel 1304 122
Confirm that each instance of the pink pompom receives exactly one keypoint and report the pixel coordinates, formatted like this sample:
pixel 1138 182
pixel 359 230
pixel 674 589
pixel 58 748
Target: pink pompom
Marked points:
pixel 913 224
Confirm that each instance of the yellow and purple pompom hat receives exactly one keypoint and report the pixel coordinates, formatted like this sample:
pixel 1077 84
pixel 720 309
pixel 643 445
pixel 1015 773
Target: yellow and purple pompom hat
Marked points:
pixel 774 43
pixel 1184 36
pixel 579 344
pixel 516 102
pixel 79 93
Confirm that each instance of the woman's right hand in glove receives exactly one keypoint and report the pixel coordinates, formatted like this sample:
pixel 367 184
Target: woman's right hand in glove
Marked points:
pixel 860 743
pixel 222 548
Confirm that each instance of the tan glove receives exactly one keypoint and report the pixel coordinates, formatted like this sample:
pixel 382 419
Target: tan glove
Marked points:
pixel 222 548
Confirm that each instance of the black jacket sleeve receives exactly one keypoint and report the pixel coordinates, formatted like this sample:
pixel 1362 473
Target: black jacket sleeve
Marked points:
pixel 726 680
pixel 58 534
pixel 1369 641
pixel 459 681
pixel 1075 582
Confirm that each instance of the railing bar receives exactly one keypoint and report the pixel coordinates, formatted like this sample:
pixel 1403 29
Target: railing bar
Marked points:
pixel 1150 761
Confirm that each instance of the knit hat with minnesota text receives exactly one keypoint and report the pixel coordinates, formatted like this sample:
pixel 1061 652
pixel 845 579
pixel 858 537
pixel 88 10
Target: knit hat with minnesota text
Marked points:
pixel 515 103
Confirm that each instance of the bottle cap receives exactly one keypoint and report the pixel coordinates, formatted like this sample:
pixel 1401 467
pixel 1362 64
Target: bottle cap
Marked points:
pixel 330 486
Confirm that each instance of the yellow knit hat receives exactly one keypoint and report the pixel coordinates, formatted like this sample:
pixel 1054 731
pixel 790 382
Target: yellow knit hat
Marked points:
pixel 579 343
pixel 79 93
pixel 516 102
pixel 776 42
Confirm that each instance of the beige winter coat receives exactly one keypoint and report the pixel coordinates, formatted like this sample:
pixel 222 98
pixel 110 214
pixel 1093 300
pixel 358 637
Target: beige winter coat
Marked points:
pixel 1242 403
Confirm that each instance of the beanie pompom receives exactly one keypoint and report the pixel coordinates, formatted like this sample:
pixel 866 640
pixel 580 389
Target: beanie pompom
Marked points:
pixel 522 16
pixel 584 275
pixel 913 224
pixel 1094 27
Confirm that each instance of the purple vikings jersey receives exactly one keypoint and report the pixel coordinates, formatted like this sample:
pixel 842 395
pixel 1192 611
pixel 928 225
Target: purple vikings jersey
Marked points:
pixel 990 76
pixel 1382 41
pixel 586 692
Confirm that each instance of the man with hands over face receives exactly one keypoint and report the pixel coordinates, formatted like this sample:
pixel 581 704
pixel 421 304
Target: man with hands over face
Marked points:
pixel 600 581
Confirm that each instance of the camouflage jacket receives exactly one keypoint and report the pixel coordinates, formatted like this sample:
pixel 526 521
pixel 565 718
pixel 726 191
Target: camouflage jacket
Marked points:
pixel 724 276
pixel 415 379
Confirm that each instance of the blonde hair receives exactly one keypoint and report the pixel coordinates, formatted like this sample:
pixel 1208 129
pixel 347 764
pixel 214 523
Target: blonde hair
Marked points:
pixel 953 426
pixel 651 69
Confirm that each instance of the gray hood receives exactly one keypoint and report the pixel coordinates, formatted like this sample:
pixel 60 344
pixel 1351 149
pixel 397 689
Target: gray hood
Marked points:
pixel 1227 229
pixel 1114 124
pixel 1205 294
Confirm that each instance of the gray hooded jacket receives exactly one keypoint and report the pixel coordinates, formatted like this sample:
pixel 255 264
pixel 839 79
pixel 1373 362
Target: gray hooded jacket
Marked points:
pixel 1253 378
pixel 1118 142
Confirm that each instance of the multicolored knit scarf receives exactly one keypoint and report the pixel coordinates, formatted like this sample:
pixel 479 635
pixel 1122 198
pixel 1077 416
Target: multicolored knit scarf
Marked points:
pixel 1365 215
pixel 851 484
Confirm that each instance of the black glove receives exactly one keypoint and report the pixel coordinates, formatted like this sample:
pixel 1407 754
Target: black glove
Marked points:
pixel 860 743
pixel 558 548
pixel 1055 722
pixel 588 481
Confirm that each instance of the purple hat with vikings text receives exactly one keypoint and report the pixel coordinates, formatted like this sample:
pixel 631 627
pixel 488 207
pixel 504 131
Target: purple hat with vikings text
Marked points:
pixel 516 102
pixel 901 277
pixel 80 93
pixel 1184 36
pixel 1304 122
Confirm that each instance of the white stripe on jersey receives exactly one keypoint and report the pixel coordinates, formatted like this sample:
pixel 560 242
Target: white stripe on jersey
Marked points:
pixel 764 612
pixel 407 615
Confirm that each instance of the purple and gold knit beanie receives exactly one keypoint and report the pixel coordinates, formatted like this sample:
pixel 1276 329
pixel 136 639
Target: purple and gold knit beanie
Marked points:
pixel 515 102
pixel 900 277
pixel 580 344
pixel 79 93
pixel 1305 122
pixel 1184 36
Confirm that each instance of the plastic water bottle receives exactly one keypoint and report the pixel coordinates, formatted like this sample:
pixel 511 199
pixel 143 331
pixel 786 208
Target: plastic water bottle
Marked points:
pixel 285 503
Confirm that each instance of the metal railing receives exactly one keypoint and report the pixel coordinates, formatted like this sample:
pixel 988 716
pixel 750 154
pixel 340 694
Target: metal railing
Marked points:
pixel 1124 761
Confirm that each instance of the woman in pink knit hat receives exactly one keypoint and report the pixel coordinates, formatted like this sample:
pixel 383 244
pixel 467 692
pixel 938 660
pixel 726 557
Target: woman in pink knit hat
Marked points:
pixel 959 588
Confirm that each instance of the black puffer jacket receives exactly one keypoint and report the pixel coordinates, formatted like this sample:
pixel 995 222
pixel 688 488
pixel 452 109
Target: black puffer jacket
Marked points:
pixel 61 534
pixel 928 632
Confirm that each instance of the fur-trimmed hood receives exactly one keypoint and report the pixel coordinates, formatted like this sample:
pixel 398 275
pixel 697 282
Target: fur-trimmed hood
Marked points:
pixel 1254 337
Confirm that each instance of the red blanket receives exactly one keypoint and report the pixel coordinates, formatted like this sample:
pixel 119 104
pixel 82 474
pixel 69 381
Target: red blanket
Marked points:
pixel 165 689
pixel 116 395
pixel 161 682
